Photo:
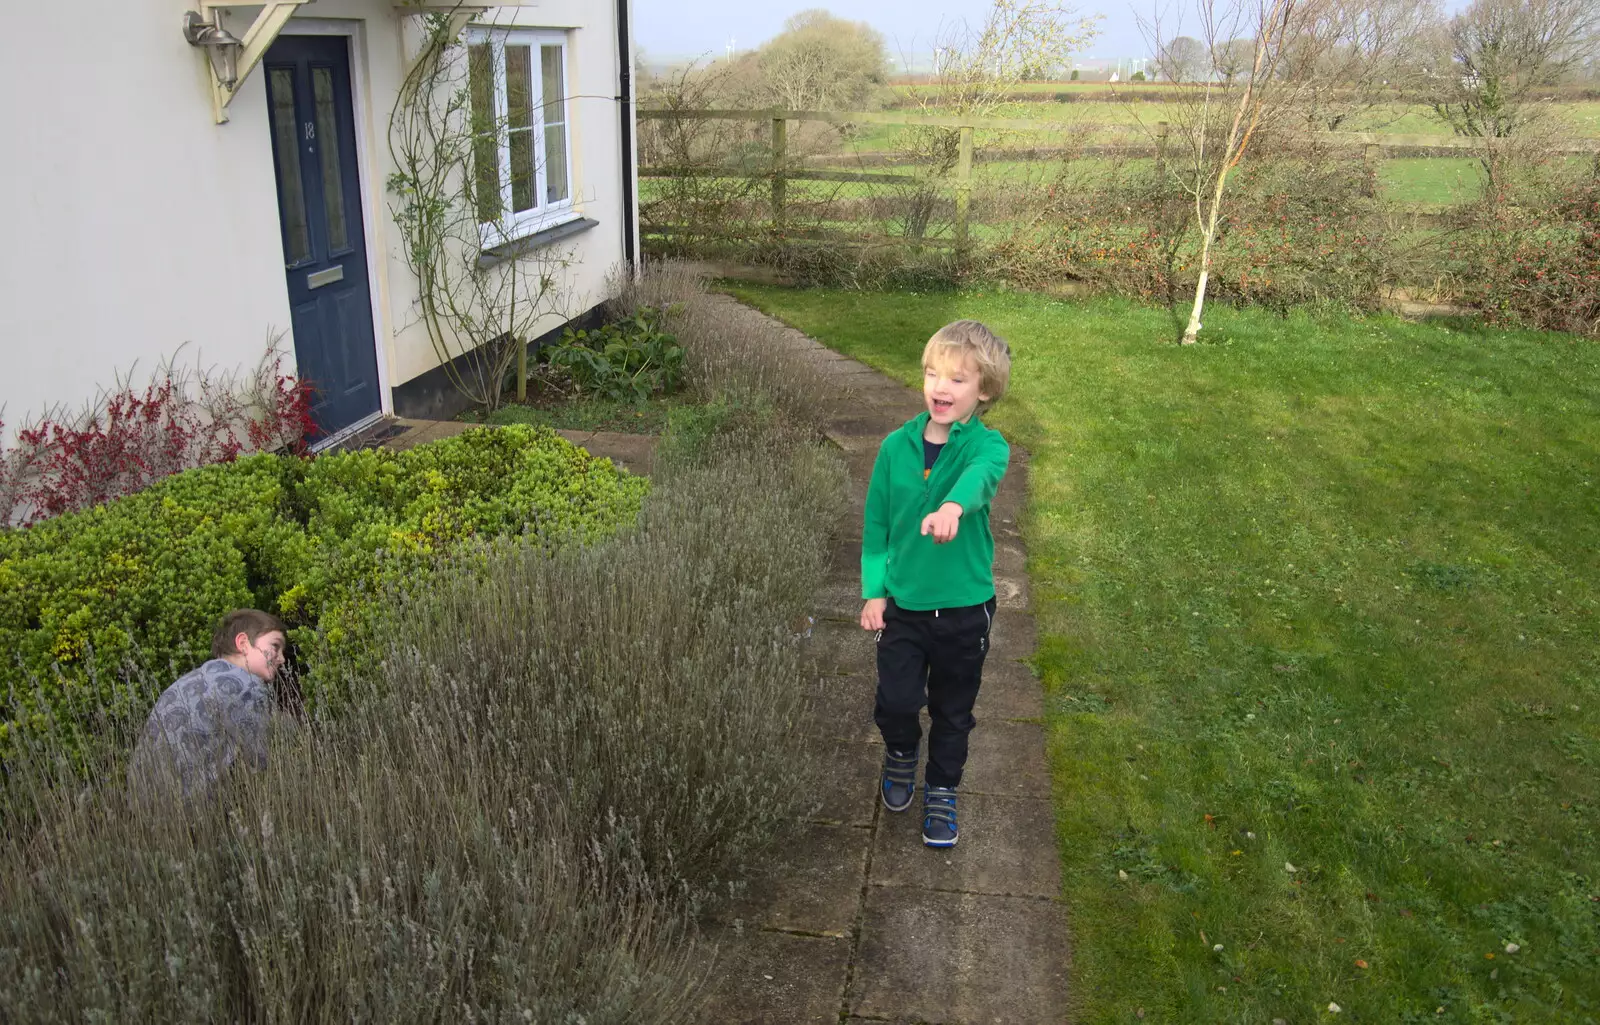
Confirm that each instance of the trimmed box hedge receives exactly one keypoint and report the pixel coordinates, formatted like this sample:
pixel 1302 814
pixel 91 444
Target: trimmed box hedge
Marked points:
pixel 143 579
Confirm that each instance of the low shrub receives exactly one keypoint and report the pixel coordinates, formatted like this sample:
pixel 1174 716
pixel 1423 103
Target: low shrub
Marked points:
pixel 734 360
pixel 564 753
pixel 1534 260
pixel 143 578
pixel 1300 228
pixel 630 359
pixel 653 680
pixel 130 437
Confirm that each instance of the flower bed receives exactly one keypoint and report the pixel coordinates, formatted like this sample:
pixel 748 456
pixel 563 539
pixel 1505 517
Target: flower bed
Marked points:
pixel 144 578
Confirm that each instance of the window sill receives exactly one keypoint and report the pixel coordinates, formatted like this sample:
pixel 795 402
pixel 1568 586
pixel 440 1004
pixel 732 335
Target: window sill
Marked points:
pixel 527 243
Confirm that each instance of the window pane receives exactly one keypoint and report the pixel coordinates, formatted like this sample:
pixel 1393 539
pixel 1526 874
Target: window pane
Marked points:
pixel 555 163
pixel 485 150
pixel 519 123
pixel 291 193
pixel 555 120
pixel 555 94
pixel 328 146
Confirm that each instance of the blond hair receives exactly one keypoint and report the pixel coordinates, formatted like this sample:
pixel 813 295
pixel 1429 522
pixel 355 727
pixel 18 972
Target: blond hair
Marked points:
pixel 964 339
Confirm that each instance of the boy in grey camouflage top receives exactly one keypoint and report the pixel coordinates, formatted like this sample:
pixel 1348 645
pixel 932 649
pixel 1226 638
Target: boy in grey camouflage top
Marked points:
pixel 218 715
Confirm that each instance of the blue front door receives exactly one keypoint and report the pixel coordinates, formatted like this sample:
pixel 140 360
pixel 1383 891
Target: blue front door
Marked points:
pixel 324 247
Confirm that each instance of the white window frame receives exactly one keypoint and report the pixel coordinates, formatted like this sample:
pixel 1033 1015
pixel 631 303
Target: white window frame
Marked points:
pixel 543 214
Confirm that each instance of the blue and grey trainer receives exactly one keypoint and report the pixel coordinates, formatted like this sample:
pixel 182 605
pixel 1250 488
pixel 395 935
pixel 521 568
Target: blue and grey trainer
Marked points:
pixel 939 816
pixel 899 778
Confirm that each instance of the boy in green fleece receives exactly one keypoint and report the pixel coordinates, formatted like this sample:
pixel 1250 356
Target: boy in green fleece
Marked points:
pixel 927 569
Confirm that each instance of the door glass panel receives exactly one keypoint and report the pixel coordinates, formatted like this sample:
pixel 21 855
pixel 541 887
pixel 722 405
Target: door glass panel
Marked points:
pixel 328 146
pixel 519 126
pixel 291 191
pixel 485 151
pixel 555 124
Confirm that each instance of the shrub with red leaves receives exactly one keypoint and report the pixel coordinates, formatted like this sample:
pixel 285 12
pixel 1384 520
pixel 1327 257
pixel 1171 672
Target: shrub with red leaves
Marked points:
pixel 1537 264
pixel 130 437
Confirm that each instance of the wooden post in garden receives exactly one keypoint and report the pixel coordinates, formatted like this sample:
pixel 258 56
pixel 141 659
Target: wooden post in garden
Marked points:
pixel 963 187
pixel 1371 157
pixel 522 368
pixel 780 185
pixel 1161 150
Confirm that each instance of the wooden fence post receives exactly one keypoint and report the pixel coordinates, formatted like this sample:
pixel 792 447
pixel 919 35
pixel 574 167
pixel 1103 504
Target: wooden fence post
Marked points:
pixel 963 186
pixel 780 185
pixel 1371 157
pixel 1161 150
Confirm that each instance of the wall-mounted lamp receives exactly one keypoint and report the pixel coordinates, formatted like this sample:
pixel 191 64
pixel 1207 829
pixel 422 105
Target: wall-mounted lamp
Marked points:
pixel 221 46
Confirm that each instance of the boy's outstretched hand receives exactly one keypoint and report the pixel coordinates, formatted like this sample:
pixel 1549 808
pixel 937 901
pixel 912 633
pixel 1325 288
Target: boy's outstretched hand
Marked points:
pixel 943 524
pixel 872 613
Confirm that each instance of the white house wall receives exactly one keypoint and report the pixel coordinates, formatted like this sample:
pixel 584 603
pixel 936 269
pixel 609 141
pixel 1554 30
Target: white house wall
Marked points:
pixel 135 224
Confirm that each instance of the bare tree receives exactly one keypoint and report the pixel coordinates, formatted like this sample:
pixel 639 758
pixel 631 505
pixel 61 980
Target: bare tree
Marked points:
pixel 820 62
pixel 689 208
pixel 1184 59
pixel 975 71
pixel 1377 55
pixel 1499 53
pixel 1214 124
pixel 1233 57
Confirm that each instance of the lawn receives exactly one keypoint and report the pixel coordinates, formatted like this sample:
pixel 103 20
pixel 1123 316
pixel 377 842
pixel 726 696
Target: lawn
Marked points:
pixel 1317 605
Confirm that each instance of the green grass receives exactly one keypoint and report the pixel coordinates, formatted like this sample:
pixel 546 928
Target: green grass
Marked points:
pixel 1320 593
pixel 1404 181
pixel 1417 181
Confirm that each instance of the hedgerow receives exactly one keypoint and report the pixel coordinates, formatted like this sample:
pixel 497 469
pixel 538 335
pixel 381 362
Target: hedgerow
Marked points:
pixel 554 757
pixel 144 577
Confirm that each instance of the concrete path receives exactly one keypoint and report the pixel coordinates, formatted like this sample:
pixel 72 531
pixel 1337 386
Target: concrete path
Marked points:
pixel 857 921
pixel 863 923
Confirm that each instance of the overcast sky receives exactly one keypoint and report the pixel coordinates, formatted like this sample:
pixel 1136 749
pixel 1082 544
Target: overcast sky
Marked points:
pixel 673 29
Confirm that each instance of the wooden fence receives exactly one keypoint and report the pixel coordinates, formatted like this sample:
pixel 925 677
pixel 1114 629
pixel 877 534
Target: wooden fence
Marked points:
pixel 780 172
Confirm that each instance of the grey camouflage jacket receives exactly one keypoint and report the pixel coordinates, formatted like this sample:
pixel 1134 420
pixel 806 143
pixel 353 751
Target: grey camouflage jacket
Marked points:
pixel 213 717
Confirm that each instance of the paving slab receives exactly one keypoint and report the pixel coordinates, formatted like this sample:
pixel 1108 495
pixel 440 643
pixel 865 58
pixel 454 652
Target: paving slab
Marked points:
pixel 1013 636
pixel 960 959
pixel 998 852
pixel 1007 757
pixel 841 709
pixel 847 785
pixel 957 937
pixel 400 433
pixel 799 892
pixel 776 978
pixel 839 647
pixel 1009 691
pixel 633 452
pixel 839 598
pixel 859 466
pixel 1004 756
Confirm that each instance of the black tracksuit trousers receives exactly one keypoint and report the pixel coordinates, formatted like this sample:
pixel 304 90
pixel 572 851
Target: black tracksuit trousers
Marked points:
pixel 933 658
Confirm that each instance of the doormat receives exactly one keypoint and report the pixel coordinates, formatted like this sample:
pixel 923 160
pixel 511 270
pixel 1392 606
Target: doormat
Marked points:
pixel 375 436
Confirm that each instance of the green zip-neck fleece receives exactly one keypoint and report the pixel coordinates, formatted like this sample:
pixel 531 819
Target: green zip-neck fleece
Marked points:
pixel 897 560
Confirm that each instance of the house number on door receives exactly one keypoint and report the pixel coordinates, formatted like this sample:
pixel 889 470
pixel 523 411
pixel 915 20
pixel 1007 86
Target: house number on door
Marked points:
pixel 311 130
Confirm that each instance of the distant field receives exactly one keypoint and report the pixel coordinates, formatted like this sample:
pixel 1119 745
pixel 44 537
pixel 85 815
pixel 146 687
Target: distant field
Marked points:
pixel 1427 181
pixel 1407 182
